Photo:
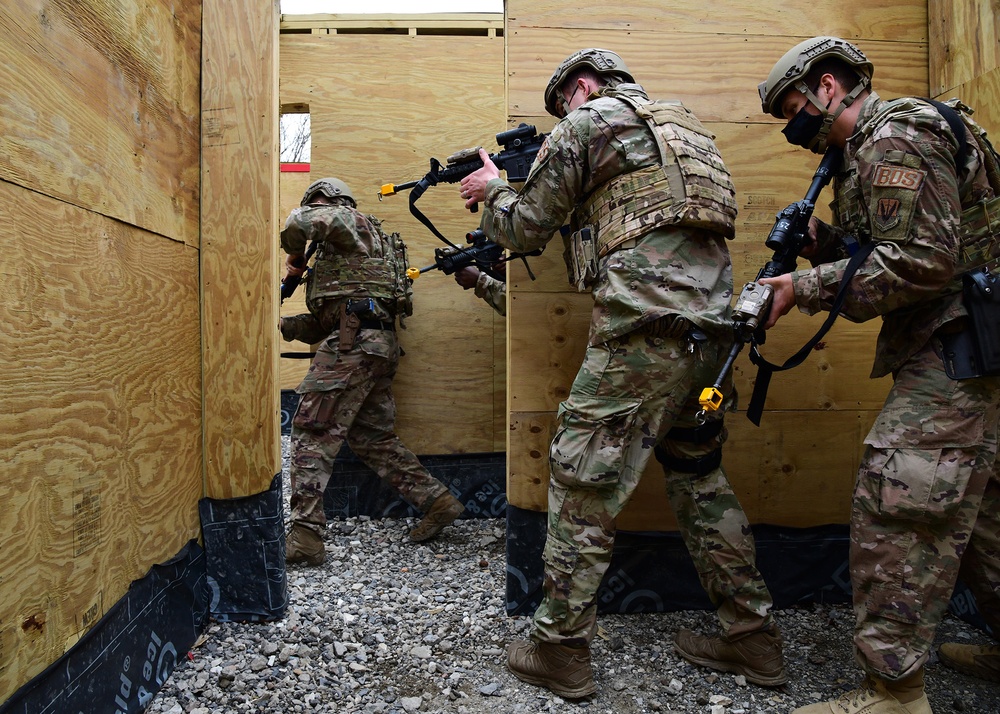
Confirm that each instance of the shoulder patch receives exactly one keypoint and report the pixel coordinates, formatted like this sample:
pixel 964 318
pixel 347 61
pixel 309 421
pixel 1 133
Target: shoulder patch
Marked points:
pixel 895 190
pixel 895 176
pixel 886 215
pixel 543 153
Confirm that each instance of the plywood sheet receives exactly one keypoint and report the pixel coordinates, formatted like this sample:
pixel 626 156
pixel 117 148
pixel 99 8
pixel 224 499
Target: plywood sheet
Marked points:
pixel 413 23
pixel 983 95
pixel 239 262
pixel 905 21
pixel 445 394
pixel 716 76
pixel 375 122
pixel 100 107
pixel 964 42
pixel 100 418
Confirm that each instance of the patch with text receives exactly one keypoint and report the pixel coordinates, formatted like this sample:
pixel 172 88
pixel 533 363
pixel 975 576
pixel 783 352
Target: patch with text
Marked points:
pixel 895 176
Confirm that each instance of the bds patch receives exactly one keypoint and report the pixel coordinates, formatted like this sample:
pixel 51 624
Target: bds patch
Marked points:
pixel 896 176
pixel 894 193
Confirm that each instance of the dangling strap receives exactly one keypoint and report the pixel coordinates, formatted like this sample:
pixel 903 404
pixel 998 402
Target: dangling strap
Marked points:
pixel 765 369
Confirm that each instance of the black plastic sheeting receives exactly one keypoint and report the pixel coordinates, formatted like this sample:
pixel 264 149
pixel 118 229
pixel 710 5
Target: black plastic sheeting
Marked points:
pixel 245 555
pixel 477 480
pixel 120 664
pixel 289 402
pixel 652 572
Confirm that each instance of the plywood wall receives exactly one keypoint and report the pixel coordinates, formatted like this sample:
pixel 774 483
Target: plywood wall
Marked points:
pixel 239 263
pixel 712 56
pixel 100 354
pixel 965 57
pixel 381 106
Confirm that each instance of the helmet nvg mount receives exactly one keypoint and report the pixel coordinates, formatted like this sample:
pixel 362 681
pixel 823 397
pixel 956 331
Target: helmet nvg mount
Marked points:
pixel 790 72
pixel 603 62
pixel 329 187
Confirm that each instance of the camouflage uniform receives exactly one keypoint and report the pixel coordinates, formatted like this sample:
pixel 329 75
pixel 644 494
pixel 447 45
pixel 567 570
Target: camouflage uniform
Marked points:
pixel 927 498
pixel 659 331
pixel 493 292
pixel 347 393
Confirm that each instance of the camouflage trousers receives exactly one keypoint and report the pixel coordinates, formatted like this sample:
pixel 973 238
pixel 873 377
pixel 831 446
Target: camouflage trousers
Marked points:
pixel 926 504
pixel 627 396
pixel 355 406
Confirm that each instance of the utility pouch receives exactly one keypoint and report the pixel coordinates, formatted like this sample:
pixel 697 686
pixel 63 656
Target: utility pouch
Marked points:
pixel 975 351
pixel 349 324
pixel 581 259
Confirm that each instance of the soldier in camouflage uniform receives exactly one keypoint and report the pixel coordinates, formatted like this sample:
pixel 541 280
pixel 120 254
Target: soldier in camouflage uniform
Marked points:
pixel 651 206
pixel 355 291
pixel 488 289
pixel 927 497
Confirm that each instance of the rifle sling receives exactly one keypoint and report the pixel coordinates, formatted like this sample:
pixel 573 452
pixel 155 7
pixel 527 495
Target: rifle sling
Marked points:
pixel 765 369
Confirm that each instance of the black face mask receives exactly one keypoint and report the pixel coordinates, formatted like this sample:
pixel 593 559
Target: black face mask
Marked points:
pixel 803 128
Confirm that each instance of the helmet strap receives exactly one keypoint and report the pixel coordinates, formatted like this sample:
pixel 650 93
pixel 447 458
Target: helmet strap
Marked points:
pixel 819 144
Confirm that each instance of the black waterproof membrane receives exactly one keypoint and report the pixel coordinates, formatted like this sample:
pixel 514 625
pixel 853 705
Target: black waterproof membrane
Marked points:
pixel 477 480
pixel 120 664
pixel 245 551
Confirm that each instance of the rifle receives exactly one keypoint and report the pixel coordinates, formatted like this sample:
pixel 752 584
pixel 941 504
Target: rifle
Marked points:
pixel 519 148
pixel 483 253
pixel 290 284
pixel 787 238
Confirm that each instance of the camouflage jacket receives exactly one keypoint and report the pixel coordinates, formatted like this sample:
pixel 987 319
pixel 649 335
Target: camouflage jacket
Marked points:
pixel 493 292
pixel 353 260
pixel 670 270
pixel 900 187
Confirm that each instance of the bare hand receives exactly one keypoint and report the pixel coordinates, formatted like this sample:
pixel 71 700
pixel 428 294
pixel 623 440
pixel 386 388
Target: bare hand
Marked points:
pixel 473 186
pixel 467 277
pixel 783 300
pixel 295 265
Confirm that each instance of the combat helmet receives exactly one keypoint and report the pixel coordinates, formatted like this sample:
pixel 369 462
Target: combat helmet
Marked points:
pixel 329 187
pixel 790 71
pixel 603 62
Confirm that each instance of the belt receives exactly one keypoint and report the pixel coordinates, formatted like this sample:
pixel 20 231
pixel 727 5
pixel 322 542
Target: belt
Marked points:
pixel 369 325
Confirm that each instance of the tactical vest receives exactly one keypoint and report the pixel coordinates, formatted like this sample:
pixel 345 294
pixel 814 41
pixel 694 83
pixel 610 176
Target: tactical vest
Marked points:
pixel 691 187
pixel 979 230
pixel 979 226
pixel 381 275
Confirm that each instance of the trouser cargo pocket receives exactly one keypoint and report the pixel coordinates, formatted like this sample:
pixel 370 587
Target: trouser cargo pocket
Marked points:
pixel 589 447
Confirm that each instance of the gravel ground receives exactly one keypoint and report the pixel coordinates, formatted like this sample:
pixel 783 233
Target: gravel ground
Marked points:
pixel 386 626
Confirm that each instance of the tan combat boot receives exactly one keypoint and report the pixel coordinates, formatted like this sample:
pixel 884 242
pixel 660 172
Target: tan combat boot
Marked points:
pixel 877 696
pixel 981 661
pixel 756 656
pixel 565 671
pixel 445 509
pixel 304 545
